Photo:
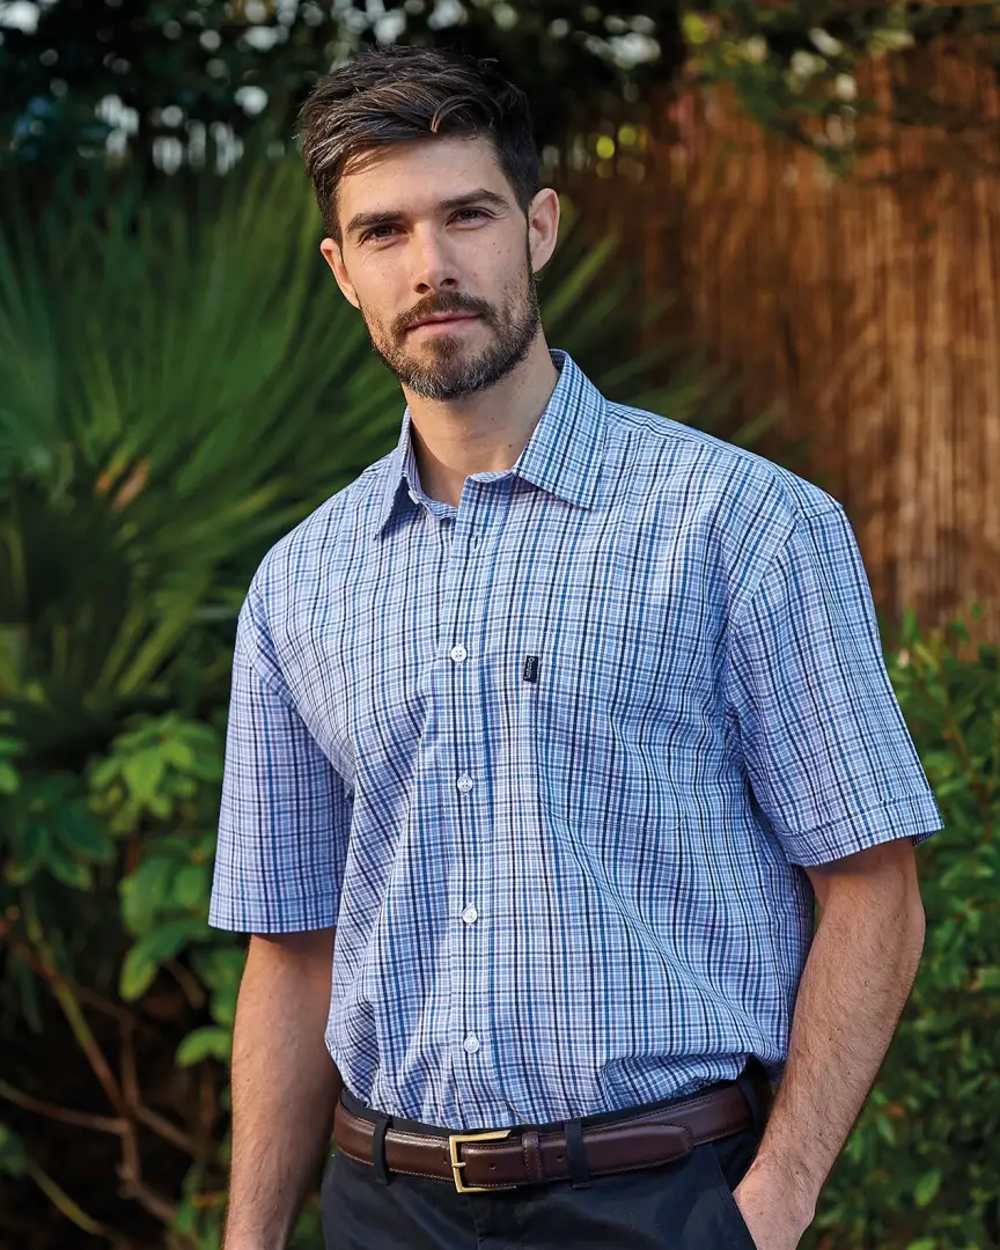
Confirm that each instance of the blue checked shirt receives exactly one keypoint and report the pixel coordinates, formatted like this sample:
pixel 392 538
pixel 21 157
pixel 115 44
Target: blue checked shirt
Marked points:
pixel 551 760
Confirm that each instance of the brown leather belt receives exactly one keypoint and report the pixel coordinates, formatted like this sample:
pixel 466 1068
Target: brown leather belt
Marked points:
pixel 506 1158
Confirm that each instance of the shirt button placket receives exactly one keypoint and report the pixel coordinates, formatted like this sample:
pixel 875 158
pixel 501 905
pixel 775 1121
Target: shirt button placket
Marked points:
pixel 470 915
pixel 472 1032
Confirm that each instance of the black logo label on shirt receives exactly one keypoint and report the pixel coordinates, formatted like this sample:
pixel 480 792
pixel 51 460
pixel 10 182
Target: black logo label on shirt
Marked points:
pixel 530 670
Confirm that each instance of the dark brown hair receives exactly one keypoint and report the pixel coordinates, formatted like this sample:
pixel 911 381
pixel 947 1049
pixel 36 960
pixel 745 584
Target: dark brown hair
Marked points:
pixel 399 93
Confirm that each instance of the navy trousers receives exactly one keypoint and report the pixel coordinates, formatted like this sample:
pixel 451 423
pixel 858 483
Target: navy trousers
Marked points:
pixel 686 1204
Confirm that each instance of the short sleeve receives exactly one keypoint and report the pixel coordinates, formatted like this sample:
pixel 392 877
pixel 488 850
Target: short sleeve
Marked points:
pixel 285 812
pixel 828 755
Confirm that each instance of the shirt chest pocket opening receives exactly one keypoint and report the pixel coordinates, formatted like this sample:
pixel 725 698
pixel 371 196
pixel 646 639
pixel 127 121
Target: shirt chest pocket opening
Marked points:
pixel 566 730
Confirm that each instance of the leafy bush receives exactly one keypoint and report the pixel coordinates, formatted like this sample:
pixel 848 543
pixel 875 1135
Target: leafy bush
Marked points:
pixel 919 1169
pixel 797 68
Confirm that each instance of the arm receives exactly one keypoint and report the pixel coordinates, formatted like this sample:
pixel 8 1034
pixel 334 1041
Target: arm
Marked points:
pixel 854 986
pixel 284 1085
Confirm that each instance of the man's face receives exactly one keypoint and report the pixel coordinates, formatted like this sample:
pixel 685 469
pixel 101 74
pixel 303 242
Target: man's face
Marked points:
pixel 411 251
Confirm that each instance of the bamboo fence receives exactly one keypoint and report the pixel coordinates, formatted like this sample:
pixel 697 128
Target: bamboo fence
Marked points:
pixel 866 312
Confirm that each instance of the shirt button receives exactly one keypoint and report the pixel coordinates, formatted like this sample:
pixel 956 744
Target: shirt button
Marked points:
pixel 471 1043
pixel 470 915
pixel 458 653
pixel 464 782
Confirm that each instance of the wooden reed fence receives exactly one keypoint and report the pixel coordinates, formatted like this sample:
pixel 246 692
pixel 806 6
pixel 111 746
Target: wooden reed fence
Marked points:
pixel 867 312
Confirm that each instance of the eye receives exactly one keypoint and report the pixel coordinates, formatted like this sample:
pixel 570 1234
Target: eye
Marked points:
pixel 373 233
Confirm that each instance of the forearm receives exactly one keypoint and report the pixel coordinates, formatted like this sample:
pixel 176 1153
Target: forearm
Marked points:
pixel 854 986
pixel 284 1090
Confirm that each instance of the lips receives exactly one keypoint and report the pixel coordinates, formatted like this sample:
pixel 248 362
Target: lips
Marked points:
pixel 450 319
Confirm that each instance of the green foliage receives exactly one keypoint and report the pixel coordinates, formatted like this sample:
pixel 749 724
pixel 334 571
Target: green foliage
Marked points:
pixel 155 74
pixel 174 875
pixel 12 1156
pixel 144 958
pixel 793 65
pixel 52 828
pixel 10 747
pixel 153 769
pixel 219 968
pixel 919 1169
pixel 168 83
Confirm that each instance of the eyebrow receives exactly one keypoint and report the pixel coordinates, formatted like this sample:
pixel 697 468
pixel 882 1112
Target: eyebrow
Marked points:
pixel 362 221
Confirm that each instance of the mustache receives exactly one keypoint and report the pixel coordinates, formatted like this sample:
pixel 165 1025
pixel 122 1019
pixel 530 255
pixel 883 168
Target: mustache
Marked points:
pixel 444 310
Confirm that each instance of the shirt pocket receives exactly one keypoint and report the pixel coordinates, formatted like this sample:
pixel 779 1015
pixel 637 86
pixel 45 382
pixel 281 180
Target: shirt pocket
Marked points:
pixel 616 735
pixel 591 713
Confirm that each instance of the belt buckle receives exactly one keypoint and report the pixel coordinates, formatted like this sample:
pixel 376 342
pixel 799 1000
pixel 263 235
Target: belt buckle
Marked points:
pixel 456 1162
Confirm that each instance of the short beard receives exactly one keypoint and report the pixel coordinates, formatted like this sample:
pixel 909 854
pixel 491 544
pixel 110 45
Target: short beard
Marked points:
pixel 445 377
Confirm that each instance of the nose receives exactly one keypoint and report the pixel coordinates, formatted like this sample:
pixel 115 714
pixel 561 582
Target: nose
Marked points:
pixel 435 267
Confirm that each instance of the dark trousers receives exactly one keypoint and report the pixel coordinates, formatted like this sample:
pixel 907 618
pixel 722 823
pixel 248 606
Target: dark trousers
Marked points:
pixel 686 1204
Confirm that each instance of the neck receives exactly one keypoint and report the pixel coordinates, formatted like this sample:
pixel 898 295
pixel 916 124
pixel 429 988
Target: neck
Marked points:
pixel 480 432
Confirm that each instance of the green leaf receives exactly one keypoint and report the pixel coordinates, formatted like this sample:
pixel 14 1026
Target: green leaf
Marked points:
pixel 137 974
pixel 167 939
pixel 884 1127
pixel 143 773
pixel 79 832
pixel 694 28
pixel 177 752
pixel 13 1157
pixel 206 1042
pixel 208 767
pixel 104 772
pixel 219 966
pixel 191 885
pixel 34 852
pixel 146 891
pixel 9 778
pixel 71 872
pixel 223 1007
pixel 926 1187
pixel 160 805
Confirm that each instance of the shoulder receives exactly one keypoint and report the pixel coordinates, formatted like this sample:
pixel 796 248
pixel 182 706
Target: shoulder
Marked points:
pixel 744 505
pixel 726 471
pixel 335 525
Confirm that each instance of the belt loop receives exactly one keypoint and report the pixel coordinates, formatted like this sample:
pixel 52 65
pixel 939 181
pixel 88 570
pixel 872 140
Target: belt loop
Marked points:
pixel 382 1122
pixel 576 1155
pixel 746 1083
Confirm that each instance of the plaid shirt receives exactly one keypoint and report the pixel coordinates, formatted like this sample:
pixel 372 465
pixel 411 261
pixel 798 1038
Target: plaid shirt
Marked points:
pixel 551 761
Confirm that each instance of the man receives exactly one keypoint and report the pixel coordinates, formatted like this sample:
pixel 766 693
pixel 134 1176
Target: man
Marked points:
pixel 560 715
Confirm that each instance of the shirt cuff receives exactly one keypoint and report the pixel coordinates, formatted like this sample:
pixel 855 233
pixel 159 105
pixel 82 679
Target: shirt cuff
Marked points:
pixel 914 814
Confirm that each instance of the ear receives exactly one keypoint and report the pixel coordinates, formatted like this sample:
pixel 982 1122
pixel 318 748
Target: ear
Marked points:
pixel 543 226
pixel 330 250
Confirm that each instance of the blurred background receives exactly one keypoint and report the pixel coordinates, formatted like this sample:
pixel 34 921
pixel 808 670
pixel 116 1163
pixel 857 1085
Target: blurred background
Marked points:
pixel 781 223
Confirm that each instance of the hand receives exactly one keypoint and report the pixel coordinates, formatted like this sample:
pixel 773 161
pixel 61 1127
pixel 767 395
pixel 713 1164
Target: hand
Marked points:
pixel 775 1219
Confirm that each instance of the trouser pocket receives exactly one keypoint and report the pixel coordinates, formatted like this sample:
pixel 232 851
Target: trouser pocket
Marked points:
pixel 726 1161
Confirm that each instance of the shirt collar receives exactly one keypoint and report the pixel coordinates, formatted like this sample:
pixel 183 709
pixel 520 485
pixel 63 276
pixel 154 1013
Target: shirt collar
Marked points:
pixel 563 455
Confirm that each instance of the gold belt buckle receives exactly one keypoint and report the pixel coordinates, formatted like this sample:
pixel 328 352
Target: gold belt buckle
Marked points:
pixel 456 1162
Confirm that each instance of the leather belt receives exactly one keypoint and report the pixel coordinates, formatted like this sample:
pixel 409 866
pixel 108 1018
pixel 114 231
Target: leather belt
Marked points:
pixel 507 1158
